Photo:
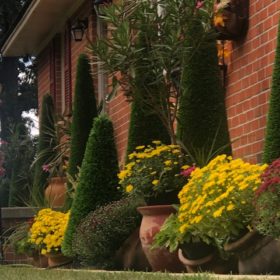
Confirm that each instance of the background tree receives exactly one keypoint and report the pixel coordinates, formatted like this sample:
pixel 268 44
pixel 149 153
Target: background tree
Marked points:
pixel 17 94
pixel 98 180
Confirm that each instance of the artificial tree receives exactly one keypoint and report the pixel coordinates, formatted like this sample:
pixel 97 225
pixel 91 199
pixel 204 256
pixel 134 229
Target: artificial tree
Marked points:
pixel 272 137
pixel 98 177
pixel 84 110
pixel 202 120
pixel 46 149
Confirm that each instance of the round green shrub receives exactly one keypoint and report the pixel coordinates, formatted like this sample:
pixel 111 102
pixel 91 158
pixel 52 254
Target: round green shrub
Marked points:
pixel 103 232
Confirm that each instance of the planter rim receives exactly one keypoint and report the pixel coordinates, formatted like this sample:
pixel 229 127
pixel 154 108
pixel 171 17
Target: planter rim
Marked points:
pixel 242 243
pixel 201 261
pixel 156 209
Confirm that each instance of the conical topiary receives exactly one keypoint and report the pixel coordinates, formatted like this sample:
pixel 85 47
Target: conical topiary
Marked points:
pixel 272 137
pixel 45 152
pixel 202 121
pixel 145 124
pixel 98 179
pixel 84 110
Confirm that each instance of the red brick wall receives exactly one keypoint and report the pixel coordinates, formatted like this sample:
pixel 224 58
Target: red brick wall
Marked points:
pixel 119 111
pixel 249 80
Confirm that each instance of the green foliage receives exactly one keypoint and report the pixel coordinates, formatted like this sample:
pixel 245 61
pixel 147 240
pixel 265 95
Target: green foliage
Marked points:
pixel 103 231
pixel 202 114
pixel 84 110
pixel 272 137
pixel 18 238
pixel 169 234
pixel 145 124
pixel 267 220
pixel 98 177
pixel 45 151
pixel 19 155
pixel 16 156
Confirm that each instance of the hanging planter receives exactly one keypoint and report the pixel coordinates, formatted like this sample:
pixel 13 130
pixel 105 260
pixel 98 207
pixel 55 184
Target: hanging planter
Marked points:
pixel 231 19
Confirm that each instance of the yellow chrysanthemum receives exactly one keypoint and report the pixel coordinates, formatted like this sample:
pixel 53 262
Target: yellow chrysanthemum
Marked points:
pixel 129 188
pixel 155 182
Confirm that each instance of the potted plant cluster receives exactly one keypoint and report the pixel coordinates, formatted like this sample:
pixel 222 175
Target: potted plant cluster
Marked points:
pixel 154 172
pixel 47 233
pixel 216 207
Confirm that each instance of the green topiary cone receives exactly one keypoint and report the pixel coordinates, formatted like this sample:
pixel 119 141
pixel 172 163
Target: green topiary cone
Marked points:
pixel 84 110
pixel 202 124
pixel 272 137
pixel 98 179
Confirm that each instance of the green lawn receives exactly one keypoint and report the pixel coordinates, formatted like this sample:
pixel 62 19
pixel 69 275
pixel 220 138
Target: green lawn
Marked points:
pixel 26 273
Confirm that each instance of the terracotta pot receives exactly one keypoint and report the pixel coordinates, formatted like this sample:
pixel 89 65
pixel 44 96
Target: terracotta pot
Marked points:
pixel 55 192
pixel 199 257
pixel 40 260
pixel 57 260
pixel 160 259
pixel 236 17
pixel 257 254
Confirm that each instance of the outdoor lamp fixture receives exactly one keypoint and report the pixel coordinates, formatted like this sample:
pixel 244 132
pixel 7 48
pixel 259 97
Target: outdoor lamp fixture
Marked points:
pixel 78 29
pixel 97 3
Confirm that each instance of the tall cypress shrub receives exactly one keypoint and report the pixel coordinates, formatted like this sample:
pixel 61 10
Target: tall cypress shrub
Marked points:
pixel 202 121
pixel 145 124
pixel 45 152
pixel 272 137
pixel 98 179
pixel 84 110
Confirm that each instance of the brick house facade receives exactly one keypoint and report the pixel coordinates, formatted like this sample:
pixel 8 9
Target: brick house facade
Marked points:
pixel 248 80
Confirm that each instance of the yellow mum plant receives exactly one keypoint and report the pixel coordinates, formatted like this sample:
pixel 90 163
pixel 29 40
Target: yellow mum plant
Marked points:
pixel 155 172
pixel 217 202
pixel 47 231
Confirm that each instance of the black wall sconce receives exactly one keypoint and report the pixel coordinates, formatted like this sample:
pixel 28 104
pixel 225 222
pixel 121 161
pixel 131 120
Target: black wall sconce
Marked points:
pixel 98 3
pixel 78 29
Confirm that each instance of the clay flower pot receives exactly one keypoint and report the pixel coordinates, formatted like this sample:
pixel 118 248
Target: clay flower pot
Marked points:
pixel 210 262
pixel 257 254
pixel 55 192
pixel 57 260
pixel 39 260
pixel 160 259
